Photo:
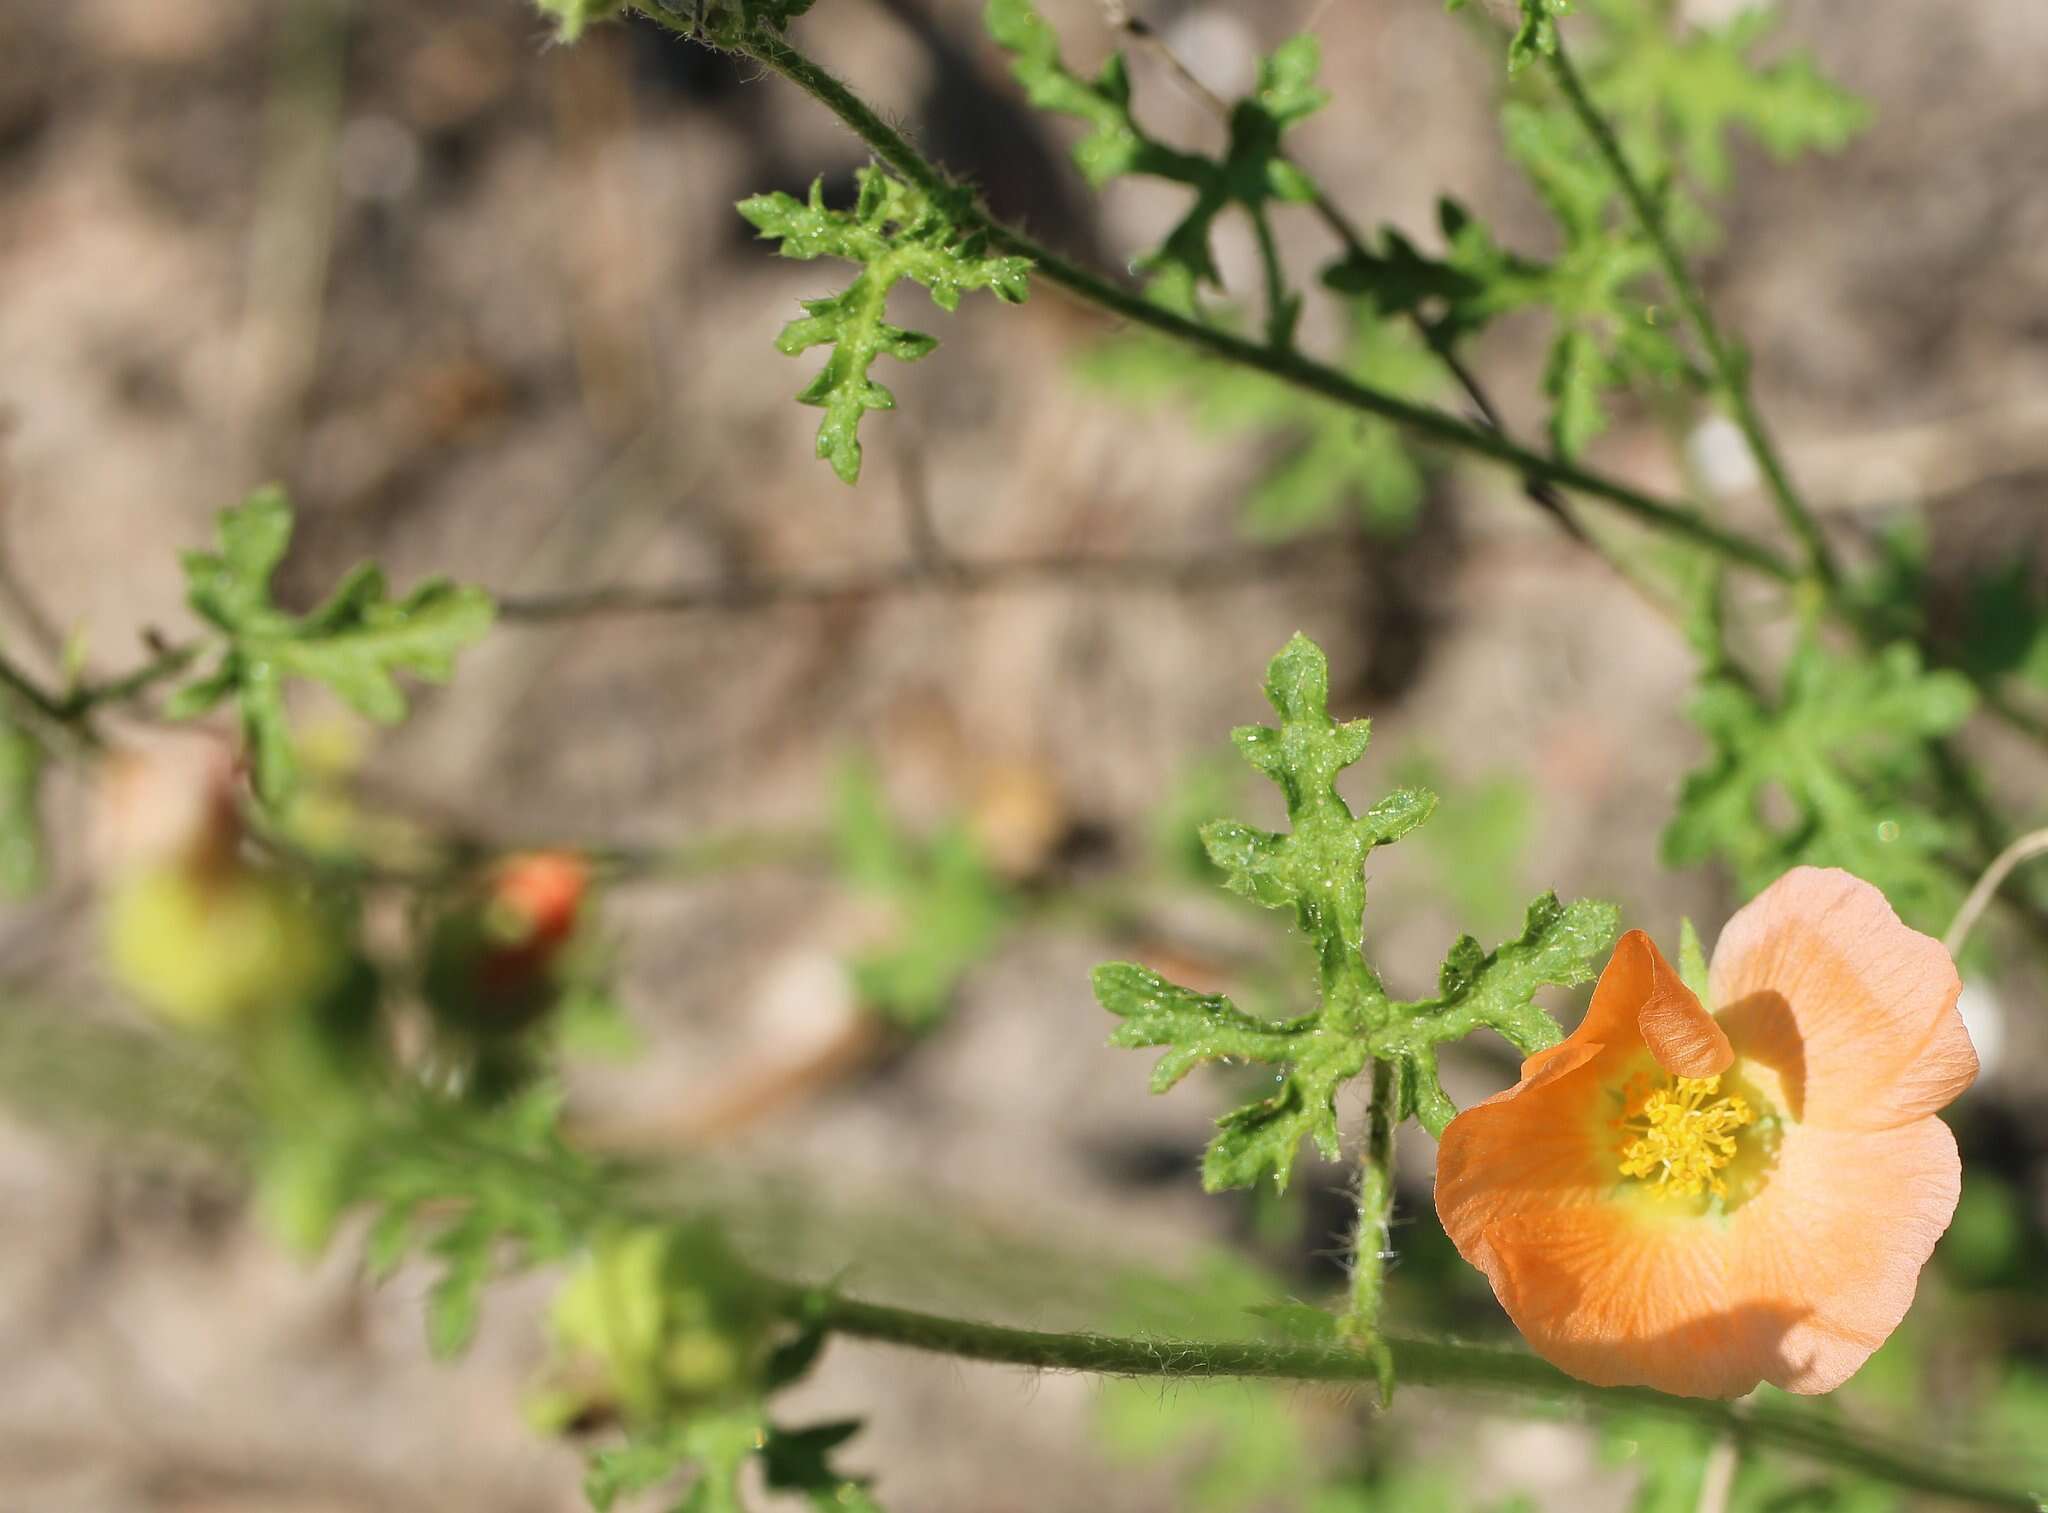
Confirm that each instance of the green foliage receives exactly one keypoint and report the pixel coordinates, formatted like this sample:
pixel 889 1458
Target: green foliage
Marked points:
pixel 1252 173
pixel 21 836
pixel 572 16
pixel 1671 1461
pixel 1999 629
pixel 688 1348
pixel 1329 456
pixel 1535 34
pixel 666 1322
pixel 893 232
pixel 479 1190
pixel 718 22
pixel 2005 627
pixel 354 643
pixel 1833 771
pixel 1673 94
pixel 1243 1445
pixel 719 1448
pixel 1677 92
pixel 1605 336
pixel 1316 870
pixel 950 908
pixel 1477 841
pixel 1233 1445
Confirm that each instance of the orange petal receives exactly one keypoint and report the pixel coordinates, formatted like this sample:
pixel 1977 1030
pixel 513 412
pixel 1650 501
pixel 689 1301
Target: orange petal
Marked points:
pixel 1796 1286
pixel 1818 980
pixel 1536 1144
pixel 1620 1296
pixel 1641 1000
pixel 1610 1290
pixel 1835 1240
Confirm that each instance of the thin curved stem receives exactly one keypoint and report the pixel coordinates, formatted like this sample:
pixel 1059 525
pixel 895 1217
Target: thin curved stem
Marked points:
pixel 2026 848
pixel 1730 370
pixel 167 663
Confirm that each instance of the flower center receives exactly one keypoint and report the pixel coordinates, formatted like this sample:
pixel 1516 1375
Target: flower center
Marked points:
pixel 1681 1135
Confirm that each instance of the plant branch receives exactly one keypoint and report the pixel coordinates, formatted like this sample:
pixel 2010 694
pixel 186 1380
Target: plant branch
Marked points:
pixel 1288 366
pixel 29 693
pixel 1731 369
pixel 1420 1363
pixel 948 576
pixel 1340 225
pixel 591 1193
pixel 167 662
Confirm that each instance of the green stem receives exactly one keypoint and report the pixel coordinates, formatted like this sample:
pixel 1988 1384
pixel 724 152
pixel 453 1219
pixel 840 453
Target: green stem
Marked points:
pixel 1289 367
pixel 72 711
pixel 30 693
pixel 588 1192
pixel 1420 1363
pixel 1369 1240
pixel 1730 370
pixel 1279 318
pixel 1542 476
pixel 167 663
pixel 592 1194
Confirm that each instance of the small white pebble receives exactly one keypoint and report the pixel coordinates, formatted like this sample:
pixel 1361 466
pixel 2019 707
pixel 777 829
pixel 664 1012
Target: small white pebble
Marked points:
pixel 1717 450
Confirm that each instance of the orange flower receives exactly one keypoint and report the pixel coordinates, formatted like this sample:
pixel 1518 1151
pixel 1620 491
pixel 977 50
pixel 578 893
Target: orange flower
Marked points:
pixel 535 902
pixel 1698 1202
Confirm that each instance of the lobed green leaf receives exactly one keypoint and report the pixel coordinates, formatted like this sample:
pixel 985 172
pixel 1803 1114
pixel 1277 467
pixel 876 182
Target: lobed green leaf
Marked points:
pixel 1316 868
pixel 951 906
pixel 1251 173
pixel 1197 1027
pixel 894 232
pixel 355 643
pixel 1835 771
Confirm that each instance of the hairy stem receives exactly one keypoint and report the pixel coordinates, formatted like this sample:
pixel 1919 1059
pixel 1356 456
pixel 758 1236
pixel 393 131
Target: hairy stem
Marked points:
pixel 1420 1363
pixel 595 1195
pixel 1369 1240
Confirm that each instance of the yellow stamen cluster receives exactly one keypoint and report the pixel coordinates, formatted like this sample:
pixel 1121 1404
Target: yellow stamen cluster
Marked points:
pixel 1684 1134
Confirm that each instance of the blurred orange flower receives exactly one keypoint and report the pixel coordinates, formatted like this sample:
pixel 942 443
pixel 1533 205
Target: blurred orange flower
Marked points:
pixel 1698 1202
pixel 535 902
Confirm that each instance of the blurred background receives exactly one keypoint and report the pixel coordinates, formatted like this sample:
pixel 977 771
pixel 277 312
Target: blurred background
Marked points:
pixel 886 770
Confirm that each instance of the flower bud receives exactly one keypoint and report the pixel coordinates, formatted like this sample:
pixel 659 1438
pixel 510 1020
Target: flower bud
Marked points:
pixel 194 931
pixel 491 964
pixel 656 1319
pixel 215 950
